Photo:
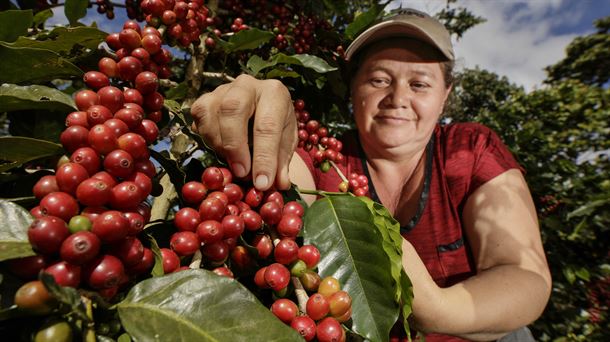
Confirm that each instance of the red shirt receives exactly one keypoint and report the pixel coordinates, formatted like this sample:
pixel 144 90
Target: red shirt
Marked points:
pixel 460 158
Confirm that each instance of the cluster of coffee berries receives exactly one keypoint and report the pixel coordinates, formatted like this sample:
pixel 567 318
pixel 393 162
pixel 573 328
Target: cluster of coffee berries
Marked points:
pixel 598 296
pixel 185 19
pixel 138 50
pixel 325 310
pixel 313 136
pixel 105 7
pixel 90 213
pixel 548 204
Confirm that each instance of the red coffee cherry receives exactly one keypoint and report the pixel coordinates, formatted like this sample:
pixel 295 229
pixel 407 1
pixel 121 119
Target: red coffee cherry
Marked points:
pixel 65 274
pixel 125 195
pixel 184 243
pixel 136 223
pixel 112 97
pixel 145 265
pixel 74 137
pixel 223 271
pixel 87 157
pixel 152 43
pixel 219 195
pixel 118 126
pixel 193 192
pixel 148 130
pixel 142 55
pixel 110 227
pixel 153 101
pixel 217 252
pixel 310 255
pixel 259 278
pixel 119 163
pixel 241 258
pixel 93 192
pixel 129 67
pixel 96 79
pixel 305 326
pixel 277 276
pixel 285 309
pixel 252 220
pixel 142 181
pixel 232 226
pixel 187 219
pixel 131 117
pixel 146 167
pixel 329 330
pixel 78 118
pixel 263 245
pixel 102 139
pixel 108 66
pixel 290 225
pixel 293 207
pixel 212 209
pixel 133 96
pixel 271 213
pixel 80 248
pixel 44 186
pixel 340 303
pixel 85 99
pixel 210 231
pixel 130 39
pixel 69 175
pixel 47 233
pixel 104 272
pixel 286 251
pixel 171 261
pixel 59 204
pixel 233 191
pixel 254 197
pixel 317 306
pixel 27 268
pixel 106 177
pixel 130 250
pixel 147 82
pixel 113 41
pixel 134 144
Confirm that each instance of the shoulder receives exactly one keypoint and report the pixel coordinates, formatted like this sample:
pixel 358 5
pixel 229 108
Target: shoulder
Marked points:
pixel 463 132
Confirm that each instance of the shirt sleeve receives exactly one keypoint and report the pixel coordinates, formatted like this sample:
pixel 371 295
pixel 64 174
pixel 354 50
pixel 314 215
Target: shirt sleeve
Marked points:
pixel 491 157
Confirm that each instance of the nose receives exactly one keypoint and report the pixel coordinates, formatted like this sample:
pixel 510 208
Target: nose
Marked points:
pixel 398 95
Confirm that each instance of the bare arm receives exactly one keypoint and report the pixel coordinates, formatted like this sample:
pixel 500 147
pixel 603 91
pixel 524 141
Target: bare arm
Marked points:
pixel 513 282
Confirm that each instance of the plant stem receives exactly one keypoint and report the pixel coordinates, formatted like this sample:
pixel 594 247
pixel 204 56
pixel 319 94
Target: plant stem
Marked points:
pixel 319 192
pixel 301 294
pixel 88 329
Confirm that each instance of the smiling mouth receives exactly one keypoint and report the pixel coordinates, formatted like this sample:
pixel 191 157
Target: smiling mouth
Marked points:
pixel 395 118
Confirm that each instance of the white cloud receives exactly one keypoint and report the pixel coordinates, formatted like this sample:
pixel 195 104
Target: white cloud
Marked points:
pixel 516 40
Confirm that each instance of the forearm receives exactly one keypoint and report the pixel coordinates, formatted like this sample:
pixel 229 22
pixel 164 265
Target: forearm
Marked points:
pixel 483 307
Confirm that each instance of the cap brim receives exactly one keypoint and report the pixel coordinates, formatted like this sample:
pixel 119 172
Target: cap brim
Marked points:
pixel 392 28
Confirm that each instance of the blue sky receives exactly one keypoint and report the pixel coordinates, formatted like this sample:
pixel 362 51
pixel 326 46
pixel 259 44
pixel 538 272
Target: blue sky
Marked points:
pixel 519 39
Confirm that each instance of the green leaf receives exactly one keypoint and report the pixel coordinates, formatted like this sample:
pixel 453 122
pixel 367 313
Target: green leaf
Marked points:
pixel 198 305
pixel 14 97
pixel 64 39
pixel 353 251
pixel 20 65
pixel 282 73
pixel 14 151
pixel 42 16
pixel 362 21
pixel 157 270
pixel 14 225
pixel 588 208
pixel 257 64
pixel 246 40
pixel 75 9
pixel 66 295
pixel 14 23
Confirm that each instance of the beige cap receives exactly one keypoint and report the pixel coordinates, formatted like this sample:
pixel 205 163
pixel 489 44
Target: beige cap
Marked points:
pixel 408 23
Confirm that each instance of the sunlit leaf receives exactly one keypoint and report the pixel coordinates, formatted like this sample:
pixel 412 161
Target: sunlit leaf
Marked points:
pixel 14 151
pixel 198 305
pixel 352 249
pixel 21 65
pixel 14 97
pixel 14 223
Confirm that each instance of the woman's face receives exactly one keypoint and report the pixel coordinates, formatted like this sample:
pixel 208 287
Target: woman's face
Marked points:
pixel 398 94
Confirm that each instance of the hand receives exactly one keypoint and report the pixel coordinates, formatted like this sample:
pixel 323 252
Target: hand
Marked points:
pixel 222 116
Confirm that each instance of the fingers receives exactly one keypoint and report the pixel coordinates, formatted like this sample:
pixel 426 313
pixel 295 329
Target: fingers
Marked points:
pixel 235 109
pixel 274 136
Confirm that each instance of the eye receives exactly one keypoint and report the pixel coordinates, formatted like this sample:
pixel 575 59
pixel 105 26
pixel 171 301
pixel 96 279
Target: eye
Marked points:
pixel 418 85
pixel 380 82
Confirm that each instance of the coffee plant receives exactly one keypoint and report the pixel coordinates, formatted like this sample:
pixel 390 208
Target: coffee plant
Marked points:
pixel 119 223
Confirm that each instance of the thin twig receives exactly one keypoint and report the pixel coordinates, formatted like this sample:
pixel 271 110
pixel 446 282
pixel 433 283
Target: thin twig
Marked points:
pixel 218 75
pixel 301 294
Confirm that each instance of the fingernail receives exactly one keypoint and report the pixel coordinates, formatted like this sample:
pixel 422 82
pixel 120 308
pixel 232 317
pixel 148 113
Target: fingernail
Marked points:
pixel 261 182
pixel 239 170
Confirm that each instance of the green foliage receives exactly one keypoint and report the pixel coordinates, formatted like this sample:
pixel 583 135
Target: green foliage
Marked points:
pixel 13 227
pixel 587 58
pixel 198 305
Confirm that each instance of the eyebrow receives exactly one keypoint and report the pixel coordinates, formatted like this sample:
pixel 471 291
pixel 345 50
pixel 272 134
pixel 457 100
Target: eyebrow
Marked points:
pixel 416 71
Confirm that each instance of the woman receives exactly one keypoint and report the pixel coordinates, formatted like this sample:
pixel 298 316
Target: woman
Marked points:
pixel 471 246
